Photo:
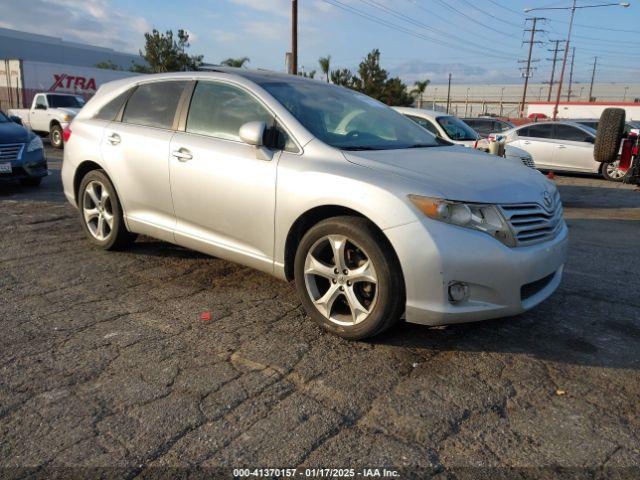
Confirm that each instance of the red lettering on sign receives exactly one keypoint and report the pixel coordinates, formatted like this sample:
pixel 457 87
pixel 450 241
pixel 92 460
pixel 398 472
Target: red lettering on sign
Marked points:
pixel 69 82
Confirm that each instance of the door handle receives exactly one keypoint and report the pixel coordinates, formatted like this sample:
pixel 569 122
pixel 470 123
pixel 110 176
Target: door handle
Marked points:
pixel 527 142
pixel 114 139
pixel 562 146
pixel 182 154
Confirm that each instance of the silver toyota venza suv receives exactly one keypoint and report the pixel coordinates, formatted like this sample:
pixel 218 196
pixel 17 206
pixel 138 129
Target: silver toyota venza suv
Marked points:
pixel 371 216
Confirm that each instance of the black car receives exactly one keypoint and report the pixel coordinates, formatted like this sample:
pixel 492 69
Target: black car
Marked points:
pixel 21 153
pixel 485 126
pixel 593 123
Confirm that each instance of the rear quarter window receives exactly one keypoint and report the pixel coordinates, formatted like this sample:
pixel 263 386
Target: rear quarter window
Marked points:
pixel 110 110
pixel 154 104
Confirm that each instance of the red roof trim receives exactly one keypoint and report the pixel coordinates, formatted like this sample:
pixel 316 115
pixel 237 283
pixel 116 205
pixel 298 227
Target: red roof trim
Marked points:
pixel 595 104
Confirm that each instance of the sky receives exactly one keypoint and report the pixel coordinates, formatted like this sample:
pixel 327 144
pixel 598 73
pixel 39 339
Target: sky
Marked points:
pixel 478 41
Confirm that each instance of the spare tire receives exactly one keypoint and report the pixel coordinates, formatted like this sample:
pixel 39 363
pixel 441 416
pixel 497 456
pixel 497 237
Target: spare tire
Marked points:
pixel 609 135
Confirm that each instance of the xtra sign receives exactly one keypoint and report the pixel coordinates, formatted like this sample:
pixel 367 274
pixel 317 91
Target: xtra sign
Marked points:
pixel 75 83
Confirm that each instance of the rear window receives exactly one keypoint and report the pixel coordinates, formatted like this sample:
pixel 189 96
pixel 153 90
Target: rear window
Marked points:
pixel 111 109
pixel 541 130
pixel 154 104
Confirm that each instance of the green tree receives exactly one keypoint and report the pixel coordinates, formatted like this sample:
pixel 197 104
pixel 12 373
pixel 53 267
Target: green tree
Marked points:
pixel 372 75
pixel 235 62
pixel 419 88
pixel 164 53
pixel 345 78
pixel 325 65
pixel 395 93
pixel 108 65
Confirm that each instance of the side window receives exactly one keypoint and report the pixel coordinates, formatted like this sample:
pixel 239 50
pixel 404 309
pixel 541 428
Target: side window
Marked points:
pixel 111 109
pixel 219 110
pixel 541 130
pixel 154 104
pixel 41 101
pixel 570 133
pixel 424 123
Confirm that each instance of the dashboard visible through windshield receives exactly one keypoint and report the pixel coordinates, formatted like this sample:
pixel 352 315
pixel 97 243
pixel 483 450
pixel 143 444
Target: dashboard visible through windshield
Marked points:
pixel 346 119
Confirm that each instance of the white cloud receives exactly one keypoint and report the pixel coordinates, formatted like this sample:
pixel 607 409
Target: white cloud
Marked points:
pixel 94 22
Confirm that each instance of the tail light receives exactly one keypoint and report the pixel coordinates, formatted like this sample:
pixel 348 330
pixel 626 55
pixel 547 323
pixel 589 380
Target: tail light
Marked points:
pixel 66 134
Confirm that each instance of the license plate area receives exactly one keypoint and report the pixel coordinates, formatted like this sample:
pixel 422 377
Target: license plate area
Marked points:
pixel 5 167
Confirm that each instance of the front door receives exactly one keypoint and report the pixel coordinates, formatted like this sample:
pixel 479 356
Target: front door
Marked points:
pixel 39 116
pixel 223 189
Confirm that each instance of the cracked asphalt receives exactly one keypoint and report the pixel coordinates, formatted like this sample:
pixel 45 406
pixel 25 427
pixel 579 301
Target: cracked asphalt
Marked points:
pixel 104 362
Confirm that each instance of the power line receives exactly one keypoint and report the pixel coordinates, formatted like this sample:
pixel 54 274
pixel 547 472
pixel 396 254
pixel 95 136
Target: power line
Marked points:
pixel 466 2
pixel 475 20
pixel 393 26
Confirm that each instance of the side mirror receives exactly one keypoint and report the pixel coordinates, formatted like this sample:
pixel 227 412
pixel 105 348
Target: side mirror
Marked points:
pixel 41 107
pixel 15 119
pixel 252 133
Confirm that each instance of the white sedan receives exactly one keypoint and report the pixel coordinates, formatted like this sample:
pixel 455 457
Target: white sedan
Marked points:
pixel 453 129
pixel 561 146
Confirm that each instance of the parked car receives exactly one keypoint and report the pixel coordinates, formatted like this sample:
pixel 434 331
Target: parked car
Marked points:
pixel 50 114
pixel 453 129
pixel 593 123
pixel 487 126
pixel 370 215
pixel 21 153
pixel 562 146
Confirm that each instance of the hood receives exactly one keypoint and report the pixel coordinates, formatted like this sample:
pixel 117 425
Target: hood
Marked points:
pixel 464 143
pixel 459 173
pixel 11 132
pixel 69 111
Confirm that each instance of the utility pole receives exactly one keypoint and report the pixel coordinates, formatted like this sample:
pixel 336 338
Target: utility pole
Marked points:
pixel 527 71
pixel 449 93
pixel 573 58
pixel 294 37
pixel 501 97
pixel 553 65
pixel 593 76
pixel 466 102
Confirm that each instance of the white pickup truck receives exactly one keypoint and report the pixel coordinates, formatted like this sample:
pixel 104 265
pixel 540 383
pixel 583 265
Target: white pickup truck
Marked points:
pixel 49 114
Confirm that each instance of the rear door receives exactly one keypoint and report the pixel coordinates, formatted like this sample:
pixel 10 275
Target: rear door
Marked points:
pixel 537 140
pixel 135 149
pixel 224 189
pixel 574 149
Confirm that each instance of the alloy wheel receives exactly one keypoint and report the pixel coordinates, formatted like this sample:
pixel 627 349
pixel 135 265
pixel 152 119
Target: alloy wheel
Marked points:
pixel 613 170
pixel 97 210
pixel 341 280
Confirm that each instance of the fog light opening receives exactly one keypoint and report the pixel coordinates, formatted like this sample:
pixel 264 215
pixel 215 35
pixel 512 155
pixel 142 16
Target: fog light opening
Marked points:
pixel 458 292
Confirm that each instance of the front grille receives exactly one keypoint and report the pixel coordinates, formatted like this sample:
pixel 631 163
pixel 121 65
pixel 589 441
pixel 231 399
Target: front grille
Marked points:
pixel 533 223
pixel 528 161
pixel 11 151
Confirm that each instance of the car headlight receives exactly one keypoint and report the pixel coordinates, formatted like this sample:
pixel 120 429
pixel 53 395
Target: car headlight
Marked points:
pixel 482 217
pixel 34 144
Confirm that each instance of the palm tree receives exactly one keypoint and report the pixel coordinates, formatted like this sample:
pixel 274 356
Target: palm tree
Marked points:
pixel 235 62
pixel 325 65
pixel 419 88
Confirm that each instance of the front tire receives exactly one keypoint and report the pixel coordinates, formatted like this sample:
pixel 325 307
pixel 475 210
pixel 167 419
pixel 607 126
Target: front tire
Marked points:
pixel 101 213
pixel 348 278
pixel 55 136
pixel 612 172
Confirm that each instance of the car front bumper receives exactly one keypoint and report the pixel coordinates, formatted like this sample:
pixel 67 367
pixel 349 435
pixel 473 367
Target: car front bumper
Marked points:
pixel 29 165
pixel 501 281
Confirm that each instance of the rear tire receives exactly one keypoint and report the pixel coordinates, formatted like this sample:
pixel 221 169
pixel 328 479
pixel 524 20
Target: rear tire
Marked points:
pixel 609 135
pixel 360 295
pixel 31 182
pixel 101 213
pixel 611 172
pixel 55 136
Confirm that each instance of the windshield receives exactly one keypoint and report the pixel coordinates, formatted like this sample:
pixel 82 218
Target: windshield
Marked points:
pixel 65 101
pixel 457 129
pixel 3 117
pixel 346 119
